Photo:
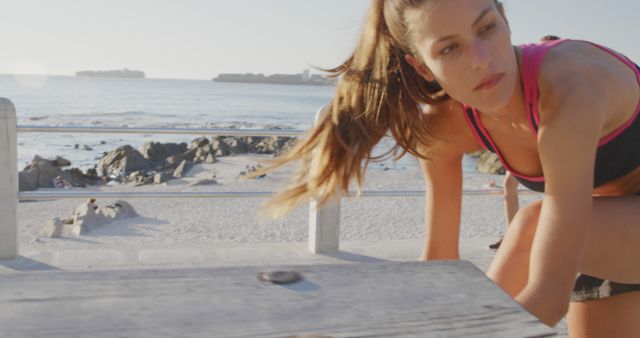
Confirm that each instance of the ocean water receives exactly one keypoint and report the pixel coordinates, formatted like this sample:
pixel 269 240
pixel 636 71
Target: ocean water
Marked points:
pixel 71 101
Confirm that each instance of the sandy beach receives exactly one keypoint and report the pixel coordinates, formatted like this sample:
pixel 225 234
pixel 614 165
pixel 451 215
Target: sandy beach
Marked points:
pixel 226 232
pixel 169 223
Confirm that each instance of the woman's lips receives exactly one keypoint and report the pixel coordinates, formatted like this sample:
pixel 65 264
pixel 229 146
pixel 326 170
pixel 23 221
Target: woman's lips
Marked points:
pixel 489 82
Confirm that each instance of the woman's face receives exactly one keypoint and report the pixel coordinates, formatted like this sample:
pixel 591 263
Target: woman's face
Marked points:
pixel 466 47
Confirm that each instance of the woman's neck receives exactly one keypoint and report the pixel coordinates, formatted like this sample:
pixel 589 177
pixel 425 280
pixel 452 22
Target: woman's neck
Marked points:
pixel 514 114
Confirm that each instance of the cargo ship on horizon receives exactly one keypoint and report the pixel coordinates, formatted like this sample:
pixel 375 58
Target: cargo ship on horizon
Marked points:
pixel 304 78
pixel 123 73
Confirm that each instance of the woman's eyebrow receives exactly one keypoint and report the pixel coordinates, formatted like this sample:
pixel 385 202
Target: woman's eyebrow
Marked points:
pixel 475 23
pixel 482 15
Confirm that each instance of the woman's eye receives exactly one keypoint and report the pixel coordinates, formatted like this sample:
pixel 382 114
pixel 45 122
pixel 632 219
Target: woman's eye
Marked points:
pixel 488 28
pixel 448 49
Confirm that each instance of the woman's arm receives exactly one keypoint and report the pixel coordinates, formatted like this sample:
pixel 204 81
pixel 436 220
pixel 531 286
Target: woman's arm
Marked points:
pixel 572 116
pixel 443 180
pixel 443 199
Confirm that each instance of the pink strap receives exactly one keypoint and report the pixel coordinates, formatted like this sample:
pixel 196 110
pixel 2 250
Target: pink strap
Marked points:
pixel 529 82
pixel 533 55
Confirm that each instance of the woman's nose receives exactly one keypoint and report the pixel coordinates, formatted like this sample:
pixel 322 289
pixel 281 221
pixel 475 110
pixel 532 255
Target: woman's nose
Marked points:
pixel 481 55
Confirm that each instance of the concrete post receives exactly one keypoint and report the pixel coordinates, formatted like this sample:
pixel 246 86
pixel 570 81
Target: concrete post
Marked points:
pixel 8 181
pixel 324 227
pixel 324 223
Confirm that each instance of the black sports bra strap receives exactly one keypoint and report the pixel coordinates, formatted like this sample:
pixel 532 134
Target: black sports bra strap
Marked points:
pixel 487 144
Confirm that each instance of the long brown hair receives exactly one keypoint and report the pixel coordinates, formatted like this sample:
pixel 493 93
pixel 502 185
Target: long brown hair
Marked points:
pixel 378 92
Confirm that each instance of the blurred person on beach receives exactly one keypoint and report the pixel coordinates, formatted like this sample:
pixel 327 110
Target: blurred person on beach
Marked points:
pixel 444 79
pixel 511 202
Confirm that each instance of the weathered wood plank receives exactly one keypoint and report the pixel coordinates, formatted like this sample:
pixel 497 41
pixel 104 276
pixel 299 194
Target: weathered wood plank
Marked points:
pixel 416 299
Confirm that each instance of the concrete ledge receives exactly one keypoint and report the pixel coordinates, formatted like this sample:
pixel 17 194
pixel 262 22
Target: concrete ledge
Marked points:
pixel 231 255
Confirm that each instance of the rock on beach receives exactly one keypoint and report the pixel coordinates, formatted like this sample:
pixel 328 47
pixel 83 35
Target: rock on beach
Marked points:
pixel 152 163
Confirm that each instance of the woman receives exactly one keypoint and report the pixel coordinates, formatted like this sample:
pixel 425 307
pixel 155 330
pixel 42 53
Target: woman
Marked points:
pixel 511 202
pixel 568 109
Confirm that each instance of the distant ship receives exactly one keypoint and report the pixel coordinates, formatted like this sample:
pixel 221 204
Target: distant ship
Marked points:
pixel 286 79
pixel 124 73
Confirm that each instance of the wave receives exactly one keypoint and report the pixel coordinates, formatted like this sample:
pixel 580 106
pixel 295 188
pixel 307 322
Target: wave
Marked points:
pixel 153 123
pixel 252 125
pixel 75 115
pixel 38 118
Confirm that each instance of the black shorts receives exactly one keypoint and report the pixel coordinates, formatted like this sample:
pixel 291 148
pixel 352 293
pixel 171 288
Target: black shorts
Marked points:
pixel 591 288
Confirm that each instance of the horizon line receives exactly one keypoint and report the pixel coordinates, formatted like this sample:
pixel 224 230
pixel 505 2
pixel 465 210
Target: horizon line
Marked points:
pixel 145 78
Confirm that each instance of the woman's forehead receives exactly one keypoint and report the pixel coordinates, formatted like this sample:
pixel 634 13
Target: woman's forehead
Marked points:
pixel 438 19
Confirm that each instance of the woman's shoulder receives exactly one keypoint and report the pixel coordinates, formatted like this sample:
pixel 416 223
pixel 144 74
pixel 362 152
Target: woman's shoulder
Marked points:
pixel 451 133
pixel 580 68
pixel 580 63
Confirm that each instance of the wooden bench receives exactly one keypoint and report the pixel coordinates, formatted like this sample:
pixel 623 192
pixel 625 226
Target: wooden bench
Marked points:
pixel 391 299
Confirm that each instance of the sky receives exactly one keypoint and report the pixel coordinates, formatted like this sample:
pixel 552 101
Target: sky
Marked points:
pixel 198 39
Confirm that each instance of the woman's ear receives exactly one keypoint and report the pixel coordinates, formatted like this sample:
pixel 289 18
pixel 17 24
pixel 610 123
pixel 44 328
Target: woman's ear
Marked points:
pixel 420 67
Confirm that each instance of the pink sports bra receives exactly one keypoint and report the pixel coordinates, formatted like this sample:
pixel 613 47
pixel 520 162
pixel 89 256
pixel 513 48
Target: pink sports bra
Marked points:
pixel 618 153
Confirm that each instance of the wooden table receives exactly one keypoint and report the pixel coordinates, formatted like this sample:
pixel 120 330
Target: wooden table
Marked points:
pixel 391 299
